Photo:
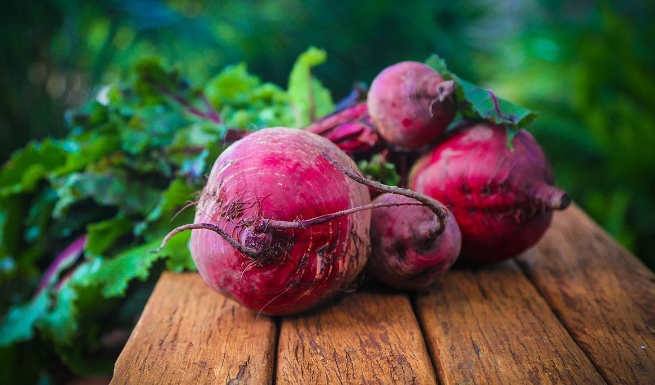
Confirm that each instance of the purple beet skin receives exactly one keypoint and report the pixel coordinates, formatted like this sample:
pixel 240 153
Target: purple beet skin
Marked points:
pixel 411 104
pixel 280 174
pixel 409 250
pixel 502 199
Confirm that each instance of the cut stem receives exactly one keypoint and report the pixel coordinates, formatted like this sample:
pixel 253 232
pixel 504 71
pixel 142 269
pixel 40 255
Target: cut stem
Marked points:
pixel 432 204
pixel 352 113
pixel 436 90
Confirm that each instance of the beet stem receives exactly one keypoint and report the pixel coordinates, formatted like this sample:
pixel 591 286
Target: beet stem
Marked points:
pixel 432 204
pixel 355 112
pixel 312 101
pixel 495 100
pixel 245 250
pixel 444 90
pixel 270 223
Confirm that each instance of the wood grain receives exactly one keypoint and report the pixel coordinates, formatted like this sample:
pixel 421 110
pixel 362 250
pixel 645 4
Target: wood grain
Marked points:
pixel 603 295
pixel 369 337
pixel 188 334
pixel 491 326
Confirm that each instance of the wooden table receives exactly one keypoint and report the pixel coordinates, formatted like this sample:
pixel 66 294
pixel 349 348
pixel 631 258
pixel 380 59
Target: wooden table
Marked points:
pixel 577 308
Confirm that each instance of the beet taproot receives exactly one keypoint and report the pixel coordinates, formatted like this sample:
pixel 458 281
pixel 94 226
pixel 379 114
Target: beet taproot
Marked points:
pixel 411 249
pixel 502 199
pixel 411 104
pixel 249 239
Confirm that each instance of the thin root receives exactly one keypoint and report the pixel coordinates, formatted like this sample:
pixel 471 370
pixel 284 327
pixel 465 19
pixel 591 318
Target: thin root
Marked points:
pixel 247 251
pixel 434 205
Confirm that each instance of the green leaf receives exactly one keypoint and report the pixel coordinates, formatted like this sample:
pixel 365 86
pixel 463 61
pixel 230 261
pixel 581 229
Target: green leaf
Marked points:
pixel 103 235
pixel 111 188
pixel 179 257
pixel 29 166
pixel 39 215
pixel 438 64
pixel 179 260
pixel 479 103
pixel 87 148
pixel 153 80
pixel 379 169
pixel 149 128
pixel 190 142
pixel 232 85
pixel 484 104
pixel 18 324
pixel 61 323
pixel 178 195
pixel 114 275
pixel 77 299
pixel 309 98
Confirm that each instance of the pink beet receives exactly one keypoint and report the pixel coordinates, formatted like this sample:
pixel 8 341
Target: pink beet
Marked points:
pixel 410 247
pixel 502 199
pixel 411 104
pixel 249 240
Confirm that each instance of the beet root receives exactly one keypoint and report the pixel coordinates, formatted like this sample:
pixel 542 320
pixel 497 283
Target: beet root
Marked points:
pixel 271 177
pixel 409 251
pixel 411 104
pixel 502 199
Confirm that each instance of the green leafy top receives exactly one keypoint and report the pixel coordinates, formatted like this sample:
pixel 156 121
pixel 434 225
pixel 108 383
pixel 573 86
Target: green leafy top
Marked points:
pixel 310 100
pixel 478 103
pixel 379 169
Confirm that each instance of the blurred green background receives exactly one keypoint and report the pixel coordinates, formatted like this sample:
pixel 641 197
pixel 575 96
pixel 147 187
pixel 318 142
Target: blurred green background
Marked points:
pixel 588 67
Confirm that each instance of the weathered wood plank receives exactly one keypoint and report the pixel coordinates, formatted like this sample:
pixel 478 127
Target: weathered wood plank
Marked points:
pixel 604 296
pixel 491 326
pixel 368 337
pixel 188 334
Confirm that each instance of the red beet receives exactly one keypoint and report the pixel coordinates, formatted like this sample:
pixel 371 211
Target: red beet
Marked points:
pixel 411 104
pixel 502 199
pixel 249 241
pixel 410 247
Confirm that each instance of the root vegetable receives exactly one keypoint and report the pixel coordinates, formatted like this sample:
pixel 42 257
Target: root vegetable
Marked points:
pixel 411 104
pixel 502 199
pixel 249 240
pixel 409 251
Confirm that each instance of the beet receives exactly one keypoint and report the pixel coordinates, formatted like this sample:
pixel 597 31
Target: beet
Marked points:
pixel 502 199
pixel 249 240
pixel 411 104
pixel 409 250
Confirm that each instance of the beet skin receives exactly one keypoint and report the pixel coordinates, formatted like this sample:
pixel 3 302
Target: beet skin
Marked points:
pixel 280 174
pixel 411 104
pixel 502 199
pixel 409 252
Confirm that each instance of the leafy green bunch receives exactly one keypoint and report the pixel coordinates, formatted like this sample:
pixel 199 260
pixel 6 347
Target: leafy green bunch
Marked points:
pixel 79 215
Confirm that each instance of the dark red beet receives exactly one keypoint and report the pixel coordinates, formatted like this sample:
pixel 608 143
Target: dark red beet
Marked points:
pixel 502 199
pixel 409 251
pixel 411 104
pixel 280 174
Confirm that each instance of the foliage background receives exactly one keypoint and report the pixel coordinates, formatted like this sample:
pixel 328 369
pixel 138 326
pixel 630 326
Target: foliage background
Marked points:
pixel 587 66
